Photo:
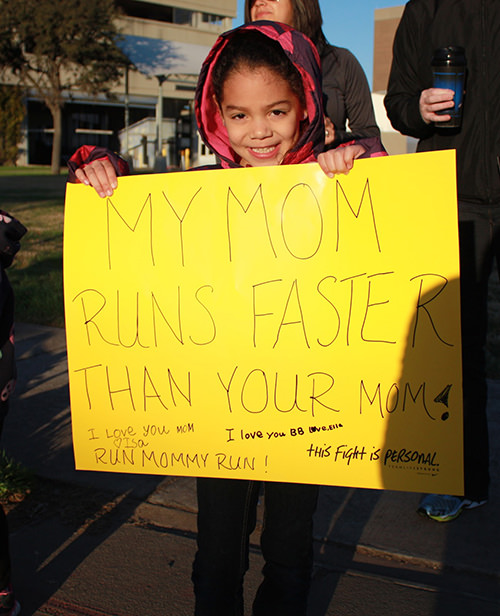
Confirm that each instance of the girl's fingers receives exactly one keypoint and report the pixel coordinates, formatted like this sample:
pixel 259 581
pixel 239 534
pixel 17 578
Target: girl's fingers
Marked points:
pixel 101 175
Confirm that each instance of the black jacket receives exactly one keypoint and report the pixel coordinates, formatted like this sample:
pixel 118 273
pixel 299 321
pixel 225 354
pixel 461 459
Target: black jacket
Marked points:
pixel 347 98
pixel 475 25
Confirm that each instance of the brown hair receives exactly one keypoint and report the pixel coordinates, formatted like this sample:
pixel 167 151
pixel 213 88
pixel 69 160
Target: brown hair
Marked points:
pixel 306 18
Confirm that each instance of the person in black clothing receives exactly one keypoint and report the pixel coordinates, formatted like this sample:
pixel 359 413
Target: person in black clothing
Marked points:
pixel 11 231
pixel 412 105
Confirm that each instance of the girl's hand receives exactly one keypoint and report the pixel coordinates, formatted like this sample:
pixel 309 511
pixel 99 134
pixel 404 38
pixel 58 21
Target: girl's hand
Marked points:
pixel 339 160
pixel 101 175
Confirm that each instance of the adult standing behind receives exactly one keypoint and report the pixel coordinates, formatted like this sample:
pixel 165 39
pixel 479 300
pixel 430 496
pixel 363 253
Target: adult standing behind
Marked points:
pixel 347 99
pixel 412 105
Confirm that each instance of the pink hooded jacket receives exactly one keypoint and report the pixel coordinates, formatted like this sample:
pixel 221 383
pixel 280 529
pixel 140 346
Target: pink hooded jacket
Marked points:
pixel 302 53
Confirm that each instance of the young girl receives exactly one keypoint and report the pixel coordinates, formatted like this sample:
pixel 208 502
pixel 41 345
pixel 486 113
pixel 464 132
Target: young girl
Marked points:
pixel 258 103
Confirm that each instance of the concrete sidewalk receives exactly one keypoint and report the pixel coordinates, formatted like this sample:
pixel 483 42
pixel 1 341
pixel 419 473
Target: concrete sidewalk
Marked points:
pixel 374 554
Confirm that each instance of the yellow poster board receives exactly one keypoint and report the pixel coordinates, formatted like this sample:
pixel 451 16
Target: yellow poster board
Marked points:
pixel 270 323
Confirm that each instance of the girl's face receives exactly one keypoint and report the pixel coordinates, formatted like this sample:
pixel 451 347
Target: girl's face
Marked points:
pixel 273 10
pixel 262 116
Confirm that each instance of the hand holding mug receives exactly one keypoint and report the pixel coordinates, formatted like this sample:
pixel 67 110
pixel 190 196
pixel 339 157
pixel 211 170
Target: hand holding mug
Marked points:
pixel 433 100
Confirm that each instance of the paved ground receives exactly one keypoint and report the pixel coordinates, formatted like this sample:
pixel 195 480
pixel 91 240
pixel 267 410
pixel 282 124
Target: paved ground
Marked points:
pixel 90 544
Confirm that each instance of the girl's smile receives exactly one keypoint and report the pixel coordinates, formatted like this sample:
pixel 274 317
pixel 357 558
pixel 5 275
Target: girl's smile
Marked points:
pixel 262 116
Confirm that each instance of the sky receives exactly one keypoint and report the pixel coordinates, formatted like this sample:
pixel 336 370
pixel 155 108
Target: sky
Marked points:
pixel 347 23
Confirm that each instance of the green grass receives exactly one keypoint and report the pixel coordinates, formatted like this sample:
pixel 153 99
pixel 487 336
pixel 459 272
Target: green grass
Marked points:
pixel 17 171
pixel 15 480
pixel 36 198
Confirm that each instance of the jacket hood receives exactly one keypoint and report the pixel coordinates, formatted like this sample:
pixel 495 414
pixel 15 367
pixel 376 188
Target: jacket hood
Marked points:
pixel 304 56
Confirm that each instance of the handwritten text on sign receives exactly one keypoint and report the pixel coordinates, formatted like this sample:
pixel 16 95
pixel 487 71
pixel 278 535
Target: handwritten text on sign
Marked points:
pixel 269 323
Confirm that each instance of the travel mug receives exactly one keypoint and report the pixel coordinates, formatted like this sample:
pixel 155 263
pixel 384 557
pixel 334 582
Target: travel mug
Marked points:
pixel 448 69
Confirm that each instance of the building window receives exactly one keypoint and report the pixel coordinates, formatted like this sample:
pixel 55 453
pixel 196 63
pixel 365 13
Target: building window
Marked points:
pixel 183 17
pixel 216 20
pixel 147 10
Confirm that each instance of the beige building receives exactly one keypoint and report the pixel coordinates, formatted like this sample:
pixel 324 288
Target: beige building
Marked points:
pixel 167 40
pixel 386 23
